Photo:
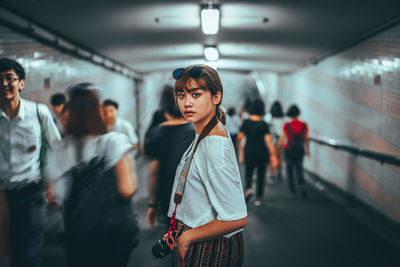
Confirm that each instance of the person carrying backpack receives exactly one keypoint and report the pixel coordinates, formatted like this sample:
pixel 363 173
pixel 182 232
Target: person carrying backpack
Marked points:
pixel 92 173
pixel 295 138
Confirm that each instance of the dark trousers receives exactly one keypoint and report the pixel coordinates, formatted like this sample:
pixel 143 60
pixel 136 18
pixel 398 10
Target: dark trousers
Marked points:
pixel 27 208
pixel 294 167
pixel 261 165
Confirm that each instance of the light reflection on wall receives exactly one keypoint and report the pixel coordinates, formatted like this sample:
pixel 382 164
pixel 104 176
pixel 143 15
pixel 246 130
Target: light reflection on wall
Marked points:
pixel 32 63
pixel 372 67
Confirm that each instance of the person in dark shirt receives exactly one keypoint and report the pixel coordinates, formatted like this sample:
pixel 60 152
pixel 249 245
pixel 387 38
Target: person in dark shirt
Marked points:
pixel 167 142
pixel 259 149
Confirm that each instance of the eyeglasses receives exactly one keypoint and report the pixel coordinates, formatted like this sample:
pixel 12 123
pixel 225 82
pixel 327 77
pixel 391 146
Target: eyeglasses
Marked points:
pixel 9 79
pixel 194 72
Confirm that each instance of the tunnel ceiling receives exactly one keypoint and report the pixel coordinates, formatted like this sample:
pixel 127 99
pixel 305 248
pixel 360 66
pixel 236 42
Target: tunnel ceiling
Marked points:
pixel 275 35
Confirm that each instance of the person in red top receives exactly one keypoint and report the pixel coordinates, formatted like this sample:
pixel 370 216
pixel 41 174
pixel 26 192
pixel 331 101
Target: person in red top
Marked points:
pixel 295 139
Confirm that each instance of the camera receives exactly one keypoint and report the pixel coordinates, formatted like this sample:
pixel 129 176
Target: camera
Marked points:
pixel 164 246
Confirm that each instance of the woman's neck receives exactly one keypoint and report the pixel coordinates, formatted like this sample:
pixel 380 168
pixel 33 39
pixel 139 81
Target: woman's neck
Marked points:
pixel 199 125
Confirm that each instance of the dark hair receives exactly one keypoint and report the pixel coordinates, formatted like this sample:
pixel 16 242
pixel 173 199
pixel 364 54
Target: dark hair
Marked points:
pixel 57 99
pixel 158 118
pixel 109 102
pixel 257 107
pixel 231 111
pixel 293 111
pixel 208 81
pixel 168 103
pixel 84 112
pixel 247 105
pixel 10 64
pixel 277 110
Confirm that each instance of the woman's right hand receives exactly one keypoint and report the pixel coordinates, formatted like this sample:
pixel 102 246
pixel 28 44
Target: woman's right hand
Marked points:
pixel 183 244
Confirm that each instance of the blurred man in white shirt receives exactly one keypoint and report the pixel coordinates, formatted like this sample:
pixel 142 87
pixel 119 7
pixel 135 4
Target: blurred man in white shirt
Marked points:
pixel 24 126
pixel 110 111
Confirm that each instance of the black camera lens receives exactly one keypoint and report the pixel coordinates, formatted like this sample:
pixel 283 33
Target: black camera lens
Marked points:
pixel 160 249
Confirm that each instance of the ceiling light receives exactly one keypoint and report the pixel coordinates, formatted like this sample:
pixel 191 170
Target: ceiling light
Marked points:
pixel 211 53
pixel 210 20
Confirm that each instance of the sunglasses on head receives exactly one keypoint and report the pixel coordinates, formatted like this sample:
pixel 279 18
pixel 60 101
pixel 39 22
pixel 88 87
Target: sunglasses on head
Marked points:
pixel 194 72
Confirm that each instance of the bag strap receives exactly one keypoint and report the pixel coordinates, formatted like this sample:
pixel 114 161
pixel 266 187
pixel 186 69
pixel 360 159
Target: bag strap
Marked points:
pixel 43 145
pixel 42 135
pixel 185 170
pixel 289 127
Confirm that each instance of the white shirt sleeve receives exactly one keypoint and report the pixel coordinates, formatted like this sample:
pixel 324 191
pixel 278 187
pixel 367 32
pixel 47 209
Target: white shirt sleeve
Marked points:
pixel 49 127
pixel 131 133
pixel 115 146
pixel 222 182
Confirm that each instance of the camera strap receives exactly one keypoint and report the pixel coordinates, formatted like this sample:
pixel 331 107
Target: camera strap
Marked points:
pixel 185 170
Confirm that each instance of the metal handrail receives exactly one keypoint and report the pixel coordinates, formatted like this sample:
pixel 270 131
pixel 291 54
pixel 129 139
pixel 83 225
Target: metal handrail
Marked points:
pixel 381 157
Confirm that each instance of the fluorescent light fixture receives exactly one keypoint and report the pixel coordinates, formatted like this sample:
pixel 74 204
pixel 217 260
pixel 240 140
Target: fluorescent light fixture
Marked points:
pixel 210 20
pixel 212 64
pixel 211 53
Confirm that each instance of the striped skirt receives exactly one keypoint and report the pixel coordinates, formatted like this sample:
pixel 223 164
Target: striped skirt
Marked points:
pixel 217 252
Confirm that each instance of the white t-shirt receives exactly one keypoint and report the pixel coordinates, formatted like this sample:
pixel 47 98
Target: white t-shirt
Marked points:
pixel 63 156
pixel 125 127
pixel 213 189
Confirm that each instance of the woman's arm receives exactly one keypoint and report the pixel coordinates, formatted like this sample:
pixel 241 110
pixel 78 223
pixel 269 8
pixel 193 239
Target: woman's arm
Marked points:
pixel 272 150
pixel 153 212
pixel 208 231
pixel 281 140
pixel 126 180
pixel 240 146
pixel 239 137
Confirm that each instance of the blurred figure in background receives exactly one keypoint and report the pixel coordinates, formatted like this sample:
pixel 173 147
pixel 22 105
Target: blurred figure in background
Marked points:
pixel 244 115
pixel 259 150
pixel 294 139
pixel 167 143
pixel 57 102
pixel 64 115
pixel 157 119
pixel 26 129
pixel 275 119
pixel 116 124
pixel 95 172
pixel 233 123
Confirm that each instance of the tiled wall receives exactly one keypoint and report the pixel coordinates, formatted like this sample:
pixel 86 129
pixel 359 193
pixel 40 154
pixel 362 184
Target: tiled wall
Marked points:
pixel 42 62
pixel 340 99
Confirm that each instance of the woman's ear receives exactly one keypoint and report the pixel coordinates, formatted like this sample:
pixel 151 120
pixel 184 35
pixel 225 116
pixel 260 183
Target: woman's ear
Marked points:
pixel 217 98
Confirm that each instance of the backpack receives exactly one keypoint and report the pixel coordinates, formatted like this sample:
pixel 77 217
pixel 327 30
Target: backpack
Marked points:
pixel 295 150
pixel 94 206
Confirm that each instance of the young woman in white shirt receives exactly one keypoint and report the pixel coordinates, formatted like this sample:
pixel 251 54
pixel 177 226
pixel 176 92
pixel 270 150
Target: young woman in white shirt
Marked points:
pixel 212 213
